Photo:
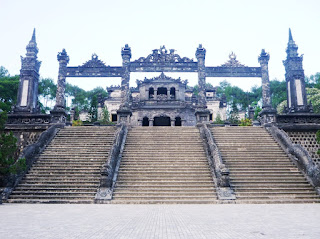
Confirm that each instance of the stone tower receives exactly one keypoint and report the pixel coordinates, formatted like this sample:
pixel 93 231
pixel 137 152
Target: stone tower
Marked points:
pixel 27 101
pixel 296 91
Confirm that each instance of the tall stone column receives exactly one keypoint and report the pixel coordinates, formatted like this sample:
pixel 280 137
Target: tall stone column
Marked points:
pixel 266 96
pixel 27 100
pixel 58 113
pixel 125 79
pixel 202 114
pixel 201 55
pixel 124 112
pixel 296 91
pixel 268 114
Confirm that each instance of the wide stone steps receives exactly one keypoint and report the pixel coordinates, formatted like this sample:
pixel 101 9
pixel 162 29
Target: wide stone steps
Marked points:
pixel 260 171
pixel 68 171
pixel 164 165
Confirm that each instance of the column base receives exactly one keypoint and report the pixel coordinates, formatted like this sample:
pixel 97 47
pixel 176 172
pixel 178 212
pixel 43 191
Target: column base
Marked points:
pixel 124 115
pixel 202 115
pixel 267 115
pixel 59 115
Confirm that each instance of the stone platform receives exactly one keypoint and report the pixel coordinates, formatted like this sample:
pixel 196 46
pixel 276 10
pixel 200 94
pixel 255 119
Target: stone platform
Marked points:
pixel 160 221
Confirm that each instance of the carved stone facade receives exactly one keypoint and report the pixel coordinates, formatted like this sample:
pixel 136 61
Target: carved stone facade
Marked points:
pixel 163 100
pixel 296 92
pixel 27 101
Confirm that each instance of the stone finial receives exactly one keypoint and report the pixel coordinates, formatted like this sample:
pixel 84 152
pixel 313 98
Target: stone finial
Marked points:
pixel 264 57
pixel 292 49
pixel 290 35
pixel 201 52
pixel 126 51
pixel 63 56
pixel 32 49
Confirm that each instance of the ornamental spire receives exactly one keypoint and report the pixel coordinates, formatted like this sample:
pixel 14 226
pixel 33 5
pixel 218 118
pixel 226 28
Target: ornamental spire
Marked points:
pixel 290 35
pixel 32 49
pixel 34 35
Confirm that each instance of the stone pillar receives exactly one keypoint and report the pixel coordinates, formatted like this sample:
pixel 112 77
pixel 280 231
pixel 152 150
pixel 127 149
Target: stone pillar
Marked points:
pixel 296 92
pixel 151 122
pixel 266 97
pixel 124 113
pixel 201 55
pixel 125 79
pixel 173 122
pixel 27 100
pixel 268 114
pixel 59 113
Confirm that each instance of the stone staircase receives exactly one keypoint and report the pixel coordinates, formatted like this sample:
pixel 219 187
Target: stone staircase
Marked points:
pixel 260 171
pixel 68 171
pixel 164 165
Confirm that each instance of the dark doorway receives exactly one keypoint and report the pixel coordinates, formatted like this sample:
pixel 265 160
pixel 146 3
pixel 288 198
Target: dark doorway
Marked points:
pixel 114 117
pixel 162 121
pixel 210 117
pixel 151 93
pixel 145 121
pixel 162 91
pixel 172 93
pixel 178 121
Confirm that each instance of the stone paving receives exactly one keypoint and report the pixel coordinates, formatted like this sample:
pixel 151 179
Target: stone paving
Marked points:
pixel 159 221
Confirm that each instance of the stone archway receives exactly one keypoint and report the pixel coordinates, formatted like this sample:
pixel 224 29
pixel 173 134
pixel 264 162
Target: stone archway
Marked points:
pixel 162 121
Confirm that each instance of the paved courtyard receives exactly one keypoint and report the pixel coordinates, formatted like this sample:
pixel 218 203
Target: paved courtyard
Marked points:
pixel 159 221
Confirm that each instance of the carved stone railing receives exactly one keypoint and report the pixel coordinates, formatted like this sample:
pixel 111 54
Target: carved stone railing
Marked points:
pixel 218 168
pixel 30 154
pixel 109 171
pixel 298 155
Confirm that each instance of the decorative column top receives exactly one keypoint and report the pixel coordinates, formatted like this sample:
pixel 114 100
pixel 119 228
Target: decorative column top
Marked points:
pixel 264 57
pixel 201 52
pixel 63 56
pixel 32 49
pixel 293 59
pixel 126 51
pixel 292 49
pixel 30 62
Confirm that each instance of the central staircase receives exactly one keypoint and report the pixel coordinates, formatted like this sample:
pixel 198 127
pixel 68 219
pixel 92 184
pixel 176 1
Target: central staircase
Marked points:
pixel 164 165
pixel 68 170
pixel 260 171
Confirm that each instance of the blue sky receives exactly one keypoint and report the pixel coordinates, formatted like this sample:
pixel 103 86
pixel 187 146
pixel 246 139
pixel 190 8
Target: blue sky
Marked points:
pixel 103 27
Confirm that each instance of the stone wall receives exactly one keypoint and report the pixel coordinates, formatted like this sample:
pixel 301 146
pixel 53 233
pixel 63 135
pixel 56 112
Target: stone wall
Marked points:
pixel 25 136
pixel 306 139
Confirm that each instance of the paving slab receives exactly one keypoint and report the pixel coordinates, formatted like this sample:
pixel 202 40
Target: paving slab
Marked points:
pixel 159 221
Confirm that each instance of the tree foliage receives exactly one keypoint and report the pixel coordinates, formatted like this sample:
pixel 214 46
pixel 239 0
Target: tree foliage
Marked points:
pixel 8 148
pixel 8 91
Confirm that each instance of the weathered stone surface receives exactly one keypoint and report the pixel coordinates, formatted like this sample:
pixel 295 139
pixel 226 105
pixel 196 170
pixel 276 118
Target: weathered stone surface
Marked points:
pixel 296 92
pixel 27 101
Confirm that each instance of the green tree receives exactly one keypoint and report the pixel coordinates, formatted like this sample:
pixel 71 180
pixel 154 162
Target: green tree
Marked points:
pixel 8 148
pixel 105 116
pixel 4 72
pixel 8 92
pixel 278 90
pixel 93 111
pixel 47 92
pixel 313 95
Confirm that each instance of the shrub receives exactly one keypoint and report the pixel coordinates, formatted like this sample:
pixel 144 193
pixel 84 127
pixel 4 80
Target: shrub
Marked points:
pixel 77 123
pixel 245 122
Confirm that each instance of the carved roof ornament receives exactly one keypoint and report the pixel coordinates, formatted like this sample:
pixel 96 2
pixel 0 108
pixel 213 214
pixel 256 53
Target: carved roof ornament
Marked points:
pixel 94 62
pixel 162 78
pixel 233 62
pixel 162 55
